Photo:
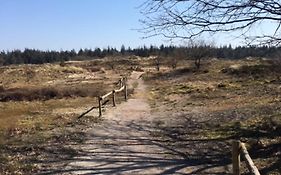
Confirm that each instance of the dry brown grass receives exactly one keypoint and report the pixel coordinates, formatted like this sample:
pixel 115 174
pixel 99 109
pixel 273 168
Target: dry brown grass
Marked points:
pixel 47 93
pixel 41 104
pixel 31 125
pixel 228 100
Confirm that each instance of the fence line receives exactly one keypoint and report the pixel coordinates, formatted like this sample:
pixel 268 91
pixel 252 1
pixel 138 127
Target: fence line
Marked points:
pixel 239 148
pixel 123 87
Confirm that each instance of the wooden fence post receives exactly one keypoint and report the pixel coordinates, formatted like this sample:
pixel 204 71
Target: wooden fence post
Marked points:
pixel 236 147
pixel 113 98
pixel 121 82
pixel 249 162
pixel 100 99
pixel 126 92
pixel 123 86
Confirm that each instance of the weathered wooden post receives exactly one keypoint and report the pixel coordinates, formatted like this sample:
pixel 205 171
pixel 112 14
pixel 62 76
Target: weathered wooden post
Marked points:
pixel 249 162
pixel 100 99
pixel 113 98
pixel 126 92
pixel 236 147
pixel 121 82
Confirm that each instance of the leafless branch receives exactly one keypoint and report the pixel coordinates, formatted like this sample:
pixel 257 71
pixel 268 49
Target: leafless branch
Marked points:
pixel 188 19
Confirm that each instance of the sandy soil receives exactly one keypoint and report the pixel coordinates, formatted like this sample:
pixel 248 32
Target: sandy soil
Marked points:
pixel 125 143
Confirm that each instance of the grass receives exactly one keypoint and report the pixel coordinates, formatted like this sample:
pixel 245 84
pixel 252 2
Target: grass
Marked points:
pixel 214 103
pixel 135 85
pixel 39 110
pixel 224 102
pixel 47 93
pixel 33 124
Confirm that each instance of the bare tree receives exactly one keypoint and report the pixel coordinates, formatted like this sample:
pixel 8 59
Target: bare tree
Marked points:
pixel 178 55
pixel 157 62
pixel 173 62
pixel 198 53
pixel 188 19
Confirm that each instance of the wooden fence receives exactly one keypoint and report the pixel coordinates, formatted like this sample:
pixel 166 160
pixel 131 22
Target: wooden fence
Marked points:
pixel 123 87
pixel 239 148
pixel 101 99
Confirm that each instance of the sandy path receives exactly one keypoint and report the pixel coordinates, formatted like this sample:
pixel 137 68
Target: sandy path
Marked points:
pixel 125 143
pixel 122 144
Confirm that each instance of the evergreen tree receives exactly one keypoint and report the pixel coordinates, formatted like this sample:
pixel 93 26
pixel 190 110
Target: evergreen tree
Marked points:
pixel 123 50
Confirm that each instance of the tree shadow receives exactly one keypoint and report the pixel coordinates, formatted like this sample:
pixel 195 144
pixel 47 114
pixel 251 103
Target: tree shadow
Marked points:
pixel 133 148
pixel 263 137
pixel 175 146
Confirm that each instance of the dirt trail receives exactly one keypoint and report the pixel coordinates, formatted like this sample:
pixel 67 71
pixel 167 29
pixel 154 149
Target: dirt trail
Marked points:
pixel 124 143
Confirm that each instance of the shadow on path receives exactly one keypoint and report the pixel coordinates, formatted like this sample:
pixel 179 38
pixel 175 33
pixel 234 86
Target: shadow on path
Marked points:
pixel 130 149
pixel 129 141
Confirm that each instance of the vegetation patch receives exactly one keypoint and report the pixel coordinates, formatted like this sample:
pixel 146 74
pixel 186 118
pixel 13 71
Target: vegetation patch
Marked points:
pixel 32 139
pixel 47 93
pixel 216 108
pixel 257 70
pixel 40 107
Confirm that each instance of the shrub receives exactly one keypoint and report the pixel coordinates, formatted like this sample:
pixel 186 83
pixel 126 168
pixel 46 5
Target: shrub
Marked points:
pixel 47 93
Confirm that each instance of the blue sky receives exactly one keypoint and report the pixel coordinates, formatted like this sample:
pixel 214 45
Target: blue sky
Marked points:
pixel 75 24
pixel 67 24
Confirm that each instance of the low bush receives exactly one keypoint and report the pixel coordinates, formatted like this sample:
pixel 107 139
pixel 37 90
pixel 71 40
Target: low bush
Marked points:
pixel 167 75
pixel 253 70
pixel 47 93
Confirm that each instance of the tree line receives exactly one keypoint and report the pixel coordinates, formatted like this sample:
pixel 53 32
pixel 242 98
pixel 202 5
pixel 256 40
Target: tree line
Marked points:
pixel 33 56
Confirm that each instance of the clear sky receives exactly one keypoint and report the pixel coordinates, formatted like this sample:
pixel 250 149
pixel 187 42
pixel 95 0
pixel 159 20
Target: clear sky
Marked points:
pixel 67 24
pixel 75 24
